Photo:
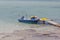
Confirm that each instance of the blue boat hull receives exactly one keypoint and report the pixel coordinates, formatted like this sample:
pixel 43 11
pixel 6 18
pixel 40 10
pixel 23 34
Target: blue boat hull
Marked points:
pixel 28 21
pixel 32 21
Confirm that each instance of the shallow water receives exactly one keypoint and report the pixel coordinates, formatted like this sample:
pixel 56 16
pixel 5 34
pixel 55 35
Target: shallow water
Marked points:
pixel 10 11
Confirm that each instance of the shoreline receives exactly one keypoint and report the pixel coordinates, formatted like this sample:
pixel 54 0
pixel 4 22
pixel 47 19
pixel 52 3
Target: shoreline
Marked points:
pixel 31 34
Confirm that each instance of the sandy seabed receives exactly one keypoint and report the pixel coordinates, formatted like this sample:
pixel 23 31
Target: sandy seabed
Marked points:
pixel 32 34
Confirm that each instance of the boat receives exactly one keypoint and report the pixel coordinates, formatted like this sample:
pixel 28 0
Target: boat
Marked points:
pixel 28 21
pixel 33 20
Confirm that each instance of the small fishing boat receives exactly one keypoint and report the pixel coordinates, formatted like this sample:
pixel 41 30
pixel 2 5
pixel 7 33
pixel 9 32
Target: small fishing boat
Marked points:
pixel 28 21
pixel 33 20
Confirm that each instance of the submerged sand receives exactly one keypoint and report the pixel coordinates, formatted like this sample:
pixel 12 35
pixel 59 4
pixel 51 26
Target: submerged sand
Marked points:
pixel 41 33
pixel 33 33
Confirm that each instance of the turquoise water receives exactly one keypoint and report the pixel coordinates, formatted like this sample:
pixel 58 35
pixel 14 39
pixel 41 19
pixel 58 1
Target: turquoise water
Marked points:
pixel 10 11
